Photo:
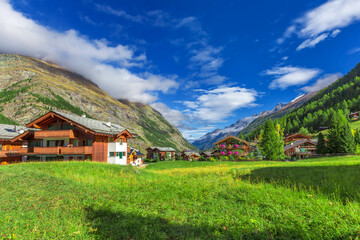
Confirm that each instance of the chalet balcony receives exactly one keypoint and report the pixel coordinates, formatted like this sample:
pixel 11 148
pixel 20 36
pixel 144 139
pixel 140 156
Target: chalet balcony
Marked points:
pixel 82 150
pixel 54 134
pixel 12 153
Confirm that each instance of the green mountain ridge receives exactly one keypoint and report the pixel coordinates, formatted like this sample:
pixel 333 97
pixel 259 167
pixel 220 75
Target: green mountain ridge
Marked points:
pixel 30 87
pixel 343 94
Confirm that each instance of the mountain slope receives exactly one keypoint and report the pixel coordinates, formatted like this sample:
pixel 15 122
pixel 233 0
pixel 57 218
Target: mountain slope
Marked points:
pixel 343 94
pixel 297 102
pixel 207 141
pixel 31 87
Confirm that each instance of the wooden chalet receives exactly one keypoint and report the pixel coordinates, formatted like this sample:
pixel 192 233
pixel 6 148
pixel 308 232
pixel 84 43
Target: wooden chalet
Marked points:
pixel 206 154
pixel 232 146
pixel 301 148
pixel 162 152
pixel 189 155
pixel 354 115
pixel 135 157
pixel 296 137
pixel 63 136
pixel 11 151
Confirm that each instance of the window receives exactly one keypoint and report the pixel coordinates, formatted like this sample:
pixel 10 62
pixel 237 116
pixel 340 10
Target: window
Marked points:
pixel 75 143
pixel 67 126
pixel 54 127
pixel 89 142
pixel 112 154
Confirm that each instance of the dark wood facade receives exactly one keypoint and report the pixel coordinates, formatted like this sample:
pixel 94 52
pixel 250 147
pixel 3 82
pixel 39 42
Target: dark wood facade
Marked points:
pixel 60 138
pixel 232 146
pixel 189 156
pixel 162 152
pixel 296 137
pixel 300 149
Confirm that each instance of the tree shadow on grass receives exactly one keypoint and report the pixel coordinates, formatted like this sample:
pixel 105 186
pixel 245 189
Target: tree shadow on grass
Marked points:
pixel 339 182
pixel 107 224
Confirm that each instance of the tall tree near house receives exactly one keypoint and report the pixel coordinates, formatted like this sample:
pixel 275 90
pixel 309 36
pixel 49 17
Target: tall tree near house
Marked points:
pixel 334 137
pixel 304 131
pixel 279 143
pixel 321 146
pixel 241 136
pixel 357 140
pixel 340 136
pixel 270 143
pixel 348 140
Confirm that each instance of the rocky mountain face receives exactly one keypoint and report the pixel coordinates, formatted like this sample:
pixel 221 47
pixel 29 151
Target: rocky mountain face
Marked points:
pixel 30 87
pixel 207 141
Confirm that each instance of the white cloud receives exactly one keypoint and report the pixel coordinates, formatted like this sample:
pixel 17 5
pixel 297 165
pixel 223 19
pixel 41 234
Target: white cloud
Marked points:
pixel 192 135
pixel 175 117
pixel 354 50
pixel 119 13
pixel 312 42
pixel 322 82
pixel 290 76
pixel 94 59
pixel 207 61
pixel 218 104
pixel 323 22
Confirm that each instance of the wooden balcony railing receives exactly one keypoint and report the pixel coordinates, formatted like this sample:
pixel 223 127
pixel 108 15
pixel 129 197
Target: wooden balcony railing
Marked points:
pixel 9 153
pixel 82 150
pixel 54 134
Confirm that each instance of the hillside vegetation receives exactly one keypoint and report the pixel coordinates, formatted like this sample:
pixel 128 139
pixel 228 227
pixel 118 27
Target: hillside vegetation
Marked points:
pixel 343 94
pixel 30 87
pixel 311 199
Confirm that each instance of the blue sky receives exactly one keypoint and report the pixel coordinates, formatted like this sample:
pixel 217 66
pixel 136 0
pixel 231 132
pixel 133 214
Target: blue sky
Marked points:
pixel 202 64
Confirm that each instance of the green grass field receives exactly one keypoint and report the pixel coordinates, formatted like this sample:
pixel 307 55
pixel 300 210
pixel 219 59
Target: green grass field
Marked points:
pixel 310 199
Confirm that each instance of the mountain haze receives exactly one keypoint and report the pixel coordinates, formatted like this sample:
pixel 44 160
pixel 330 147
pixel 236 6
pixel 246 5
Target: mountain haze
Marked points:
pixel 207 141
pixel 30 87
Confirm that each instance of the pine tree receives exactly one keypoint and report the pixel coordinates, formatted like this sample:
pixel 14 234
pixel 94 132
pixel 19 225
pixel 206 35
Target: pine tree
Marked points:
pixel 241 136
pixel 348 141
pixel 357 136
pixel 321 146
pixel 340 136
pixel 334 137
pixel 304 131
pixel 279 144
pixel 271 142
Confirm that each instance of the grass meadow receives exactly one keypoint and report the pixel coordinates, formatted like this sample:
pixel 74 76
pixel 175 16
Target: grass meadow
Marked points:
pixel 309 199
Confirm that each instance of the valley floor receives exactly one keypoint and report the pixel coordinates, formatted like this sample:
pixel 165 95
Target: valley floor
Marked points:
pixel 309 199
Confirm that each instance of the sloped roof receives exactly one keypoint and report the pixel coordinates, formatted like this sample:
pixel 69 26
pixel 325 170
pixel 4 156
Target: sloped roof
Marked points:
pixel 191 153
pixel 163 149
pixel 207 153
pixel 298 143
pixel 94 125
pixel 137 152
pixel 8 132
pixel 236 138
pixel 298 135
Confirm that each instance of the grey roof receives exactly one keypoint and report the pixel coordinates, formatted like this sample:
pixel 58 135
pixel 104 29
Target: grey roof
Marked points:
pixel 164 149
pixel 188 153
pixel 8 132
pixel 92 124
pixel 298 143
pixel 207 153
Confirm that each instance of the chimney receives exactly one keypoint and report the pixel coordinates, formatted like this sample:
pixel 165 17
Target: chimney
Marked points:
pixel 108 124
pixel 14 128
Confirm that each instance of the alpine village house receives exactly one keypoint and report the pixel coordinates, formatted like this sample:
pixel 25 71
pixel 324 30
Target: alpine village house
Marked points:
pixel 232 146
pixel 62 136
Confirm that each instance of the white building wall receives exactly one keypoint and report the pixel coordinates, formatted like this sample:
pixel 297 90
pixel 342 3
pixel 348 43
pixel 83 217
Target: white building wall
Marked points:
pixel 117 147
